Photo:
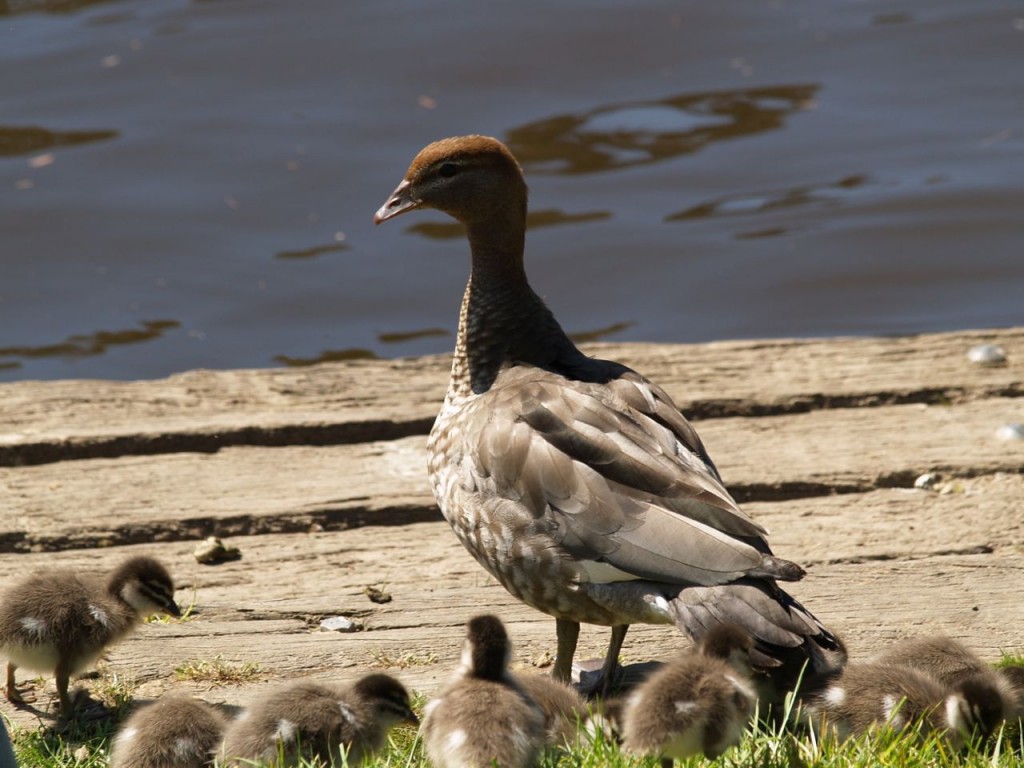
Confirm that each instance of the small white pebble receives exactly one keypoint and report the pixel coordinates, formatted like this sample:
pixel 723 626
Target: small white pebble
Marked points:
pixel 213 551
pixel 926 481
pixel 339 624
pixel 987 354
pixel 1011 432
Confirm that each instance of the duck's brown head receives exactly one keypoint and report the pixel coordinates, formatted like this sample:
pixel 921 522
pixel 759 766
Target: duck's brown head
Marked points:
pixel 471 178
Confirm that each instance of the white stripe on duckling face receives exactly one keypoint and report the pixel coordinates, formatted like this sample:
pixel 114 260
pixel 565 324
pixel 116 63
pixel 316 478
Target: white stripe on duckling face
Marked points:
pixel 956 718
pixel 346 713
pixel 742 686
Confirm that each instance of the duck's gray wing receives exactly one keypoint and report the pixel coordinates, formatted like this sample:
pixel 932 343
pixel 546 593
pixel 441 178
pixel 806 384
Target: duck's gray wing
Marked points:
pixel 624 487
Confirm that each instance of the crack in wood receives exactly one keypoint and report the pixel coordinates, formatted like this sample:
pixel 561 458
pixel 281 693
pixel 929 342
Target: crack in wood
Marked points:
pixel 699 410
pixel 350 432
pixel 342 433
pixel 198 528
pixel 881 557
pixel 350 517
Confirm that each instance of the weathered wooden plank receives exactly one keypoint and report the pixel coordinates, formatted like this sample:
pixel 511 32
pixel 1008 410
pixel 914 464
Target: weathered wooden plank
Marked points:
pixel 261 490
pixel 366 400
pixel 830 482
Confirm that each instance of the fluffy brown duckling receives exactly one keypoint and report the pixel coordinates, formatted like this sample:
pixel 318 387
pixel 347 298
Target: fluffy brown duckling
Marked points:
pixel 942 657
pixel 174 731
pixel 574 481
pixel 991 694
pixel 875 693
pixel 311 720
pixel 483 715
pixel 61 621
pixel 697 704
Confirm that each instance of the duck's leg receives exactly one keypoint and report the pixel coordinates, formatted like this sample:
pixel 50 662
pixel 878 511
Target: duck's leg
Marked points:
pixel 611 661
pixel 568 633
pixel 12 689
pixel 597 677
pixel 15 696
pixel 63 677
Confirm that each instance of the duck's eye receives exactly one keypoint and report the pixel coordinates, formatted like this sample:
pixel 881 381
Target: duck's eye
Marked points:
pixel 447 170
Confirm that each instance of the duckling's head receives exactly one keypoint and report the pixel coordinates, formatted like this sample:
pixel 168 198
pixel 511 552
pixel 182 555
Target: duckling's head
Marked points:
pixel 487 650
pixel 1013 677
pixel 975 708
pixel 145 585
pixel 388 698
pixel 730 643
pixel 471 178
pixel 604 723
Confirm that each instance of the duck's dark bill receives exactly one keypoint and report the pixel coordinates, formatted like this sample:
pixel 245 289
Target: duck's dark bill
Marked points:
pixel 401 200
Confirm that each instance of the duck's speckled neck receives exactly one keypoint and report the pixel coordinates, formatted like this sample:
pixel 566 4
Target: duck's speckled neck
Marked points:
pixel 502 321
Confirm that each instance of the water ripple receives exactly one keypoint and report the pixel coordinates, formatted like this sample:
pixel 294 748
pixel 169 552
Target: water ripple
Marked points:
pixel 821 195
pixel 28 139
pixel 89 345
pixel 634 133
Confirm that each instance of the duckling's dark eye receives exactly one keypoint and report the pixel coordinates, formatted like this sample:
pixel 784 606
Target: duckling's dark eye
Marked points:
pixel 447 170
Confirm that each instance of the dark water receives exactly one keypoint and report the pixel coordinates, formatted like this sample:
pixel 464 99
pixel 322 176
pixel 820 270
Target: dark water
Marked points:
pixel 191 184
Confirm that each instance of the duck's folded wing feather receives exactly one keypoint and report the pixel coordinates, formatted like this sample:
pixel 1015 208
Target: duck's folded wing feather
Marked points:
pixel 617 485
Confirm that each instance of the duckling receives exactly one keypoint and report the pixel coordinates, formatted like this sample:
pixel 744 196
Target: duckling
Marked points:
pixel 698 704
pixel 875 693
pixel 991 694
pixel 484 715
pixel 942 657
pixel 563 707
pixel 311 720
pixel 175 731
pixel 61 621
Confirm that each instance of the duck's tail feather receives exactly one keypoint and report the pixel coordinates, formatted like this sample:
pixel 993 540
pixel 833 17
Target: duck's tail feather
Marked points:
pixel 790 644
